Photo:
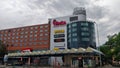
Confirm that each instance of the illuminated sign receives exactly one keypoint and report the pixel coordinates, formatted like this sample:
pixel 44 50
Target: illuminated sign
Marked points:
pixel 59 35
pixel 56 49
pixel 59 31
pixel 57 23
pixel 59 40
pixel 74 18
pixel 26 50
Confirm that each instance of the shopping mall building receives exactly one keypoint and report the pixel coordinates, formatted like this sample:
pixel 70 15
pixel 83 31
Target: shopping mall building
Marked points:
pixel 61 33
pixel 65 32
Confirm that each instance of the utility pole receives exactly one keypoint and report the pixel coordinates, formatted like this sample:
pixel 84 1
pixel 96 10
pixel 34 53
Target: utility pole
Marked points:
pixel 98 44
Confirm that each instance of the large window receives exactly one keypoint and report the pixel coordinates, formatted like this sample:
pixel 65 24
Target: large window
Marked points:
pixel 35 35
pixel 31 27
pixel 74 34
pixel 26 32
pixel 26 36
pixel 22 29
pixel 46 26
pixel 69 40
pixel 85 39
pixel 41 34
pixel 85 34
pixel 69 31
pixel 74 24
pixel 74 39
pixel 74 29
pixel 69 26
pixel 31 35
pixel 69 35
pixel 36 27
pixel 46 34
pixel 31 31
pixel 41 30
pixel 84 24
pixel 21 36
pixel 84 29
pixel 41 26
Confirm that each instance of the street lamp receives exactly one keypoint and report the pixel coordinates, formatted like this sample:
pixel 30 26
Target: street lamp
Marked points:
pixel 98 43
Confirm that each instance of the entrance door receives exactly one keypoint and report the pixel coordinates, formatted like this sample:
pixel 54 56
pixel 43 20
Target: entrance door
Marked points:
pixel 80 63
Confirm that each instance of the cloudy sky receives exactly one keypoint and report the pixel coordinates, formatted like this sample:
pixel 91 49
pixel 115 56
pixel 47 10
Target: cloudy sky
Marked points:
pixel 17 13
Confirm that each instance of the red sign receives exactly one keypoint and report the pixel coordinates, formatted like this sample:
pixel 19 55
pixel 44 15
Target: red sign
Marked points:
pixel 56 23
pixel 27 50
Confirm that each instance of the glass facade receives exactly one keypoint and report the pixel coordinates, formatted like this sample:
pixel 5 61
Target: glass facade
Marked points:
pixel 81 34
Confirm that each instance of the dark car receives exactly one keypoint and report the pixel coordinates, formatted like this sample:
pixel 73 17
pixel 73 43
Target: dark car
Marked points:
pixel 16 63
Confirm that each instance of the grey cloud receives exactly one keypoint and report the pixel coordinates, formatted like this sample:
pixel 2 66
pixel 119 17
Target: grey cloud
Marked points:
pixel 96 12
pixel 18 13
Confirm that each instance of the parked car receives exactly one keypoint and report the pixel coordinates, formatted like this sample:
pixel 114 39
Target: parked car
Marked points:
pixel 15 62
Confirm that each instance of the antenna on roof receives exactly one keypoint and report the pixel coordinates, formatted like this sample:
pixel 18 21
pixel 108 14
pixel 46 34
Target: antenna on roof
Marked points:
pixel 79 10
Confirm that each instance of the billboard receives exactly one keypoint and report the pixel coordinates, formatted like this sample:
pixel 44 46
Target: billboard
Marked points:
pixel 58 30
pixel 58 33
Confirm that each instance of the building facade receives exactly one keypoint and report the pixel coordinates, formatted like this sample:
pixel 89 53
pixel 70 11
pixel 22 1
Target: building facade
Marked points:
pixel 34 37
pixel 81 34
pixel 73 31
pixel 66 32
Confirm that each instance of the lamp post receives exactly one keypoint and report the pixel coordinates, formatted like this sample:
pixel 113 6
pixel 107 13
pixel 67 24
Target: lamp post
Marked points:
pixel 98 43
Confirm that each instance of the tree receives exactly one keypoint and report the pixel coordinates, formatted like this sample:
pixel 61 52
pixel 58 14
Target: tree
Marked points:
pixel 112 47
pixel 3 49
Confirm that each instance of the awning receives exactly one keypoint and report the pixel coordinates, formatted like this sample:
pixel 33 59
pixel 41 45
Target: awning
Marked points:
pixel 54 52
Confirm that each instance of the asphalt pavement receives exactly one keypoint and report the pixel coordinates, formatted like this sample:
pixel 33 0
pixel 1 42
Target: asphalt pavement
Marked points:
pixel 3 66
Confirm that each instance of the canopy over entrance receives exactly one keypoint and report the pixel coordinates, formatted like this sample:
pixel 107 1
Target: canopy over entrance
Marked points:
pixel 57 52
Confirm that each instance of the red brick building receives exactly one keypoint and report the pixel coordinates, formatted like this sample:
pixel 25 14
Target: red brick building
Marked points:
pixel 35 37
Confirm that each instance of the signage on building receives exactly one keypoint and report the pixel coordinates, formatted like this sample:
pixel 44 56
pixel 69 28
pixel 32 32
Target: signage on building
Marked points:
pixel 59 35
pixel 56 49
pixel 26 50
pixel 59 31
pixel 58 23
pixel 59 40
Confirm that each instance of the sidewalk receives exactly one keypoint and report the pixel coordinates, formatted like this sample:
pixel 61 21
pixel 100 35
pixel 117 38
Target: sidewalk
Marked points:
pixel 3 66
pixel 108 66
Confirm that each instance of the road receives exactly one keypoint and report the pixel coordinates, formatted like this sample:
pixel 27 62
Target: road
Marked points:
pixel 2 66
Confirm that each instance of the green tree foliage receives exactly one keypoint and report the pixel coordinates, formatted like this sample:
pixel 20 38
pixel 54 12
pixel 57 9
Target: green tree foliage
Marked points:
pixel 3 49
pixel 112 47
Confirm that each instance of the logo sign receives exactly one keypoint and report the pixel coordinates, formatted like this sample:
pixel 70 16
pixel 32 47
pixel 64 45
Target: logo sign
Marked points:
pixel 59 40
pixel 59 31
pixel 61 48
pixel 26 50
pixel 58 23
pixel 59 35
pixel 56 49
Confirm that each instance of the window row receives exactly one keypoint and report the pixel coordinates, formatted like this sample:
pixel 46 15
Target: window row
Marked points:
pixel 24 36
pixel 30 44
pixel 72 40
pixel 25 28
pixel 75 39
pixel 22 33
pixel 72 30
pixel 72 35
pixel 73 25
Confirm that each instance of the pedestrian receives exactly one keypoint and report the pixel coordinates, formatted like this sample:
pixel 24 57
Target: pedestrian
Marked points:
pixel 5 59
